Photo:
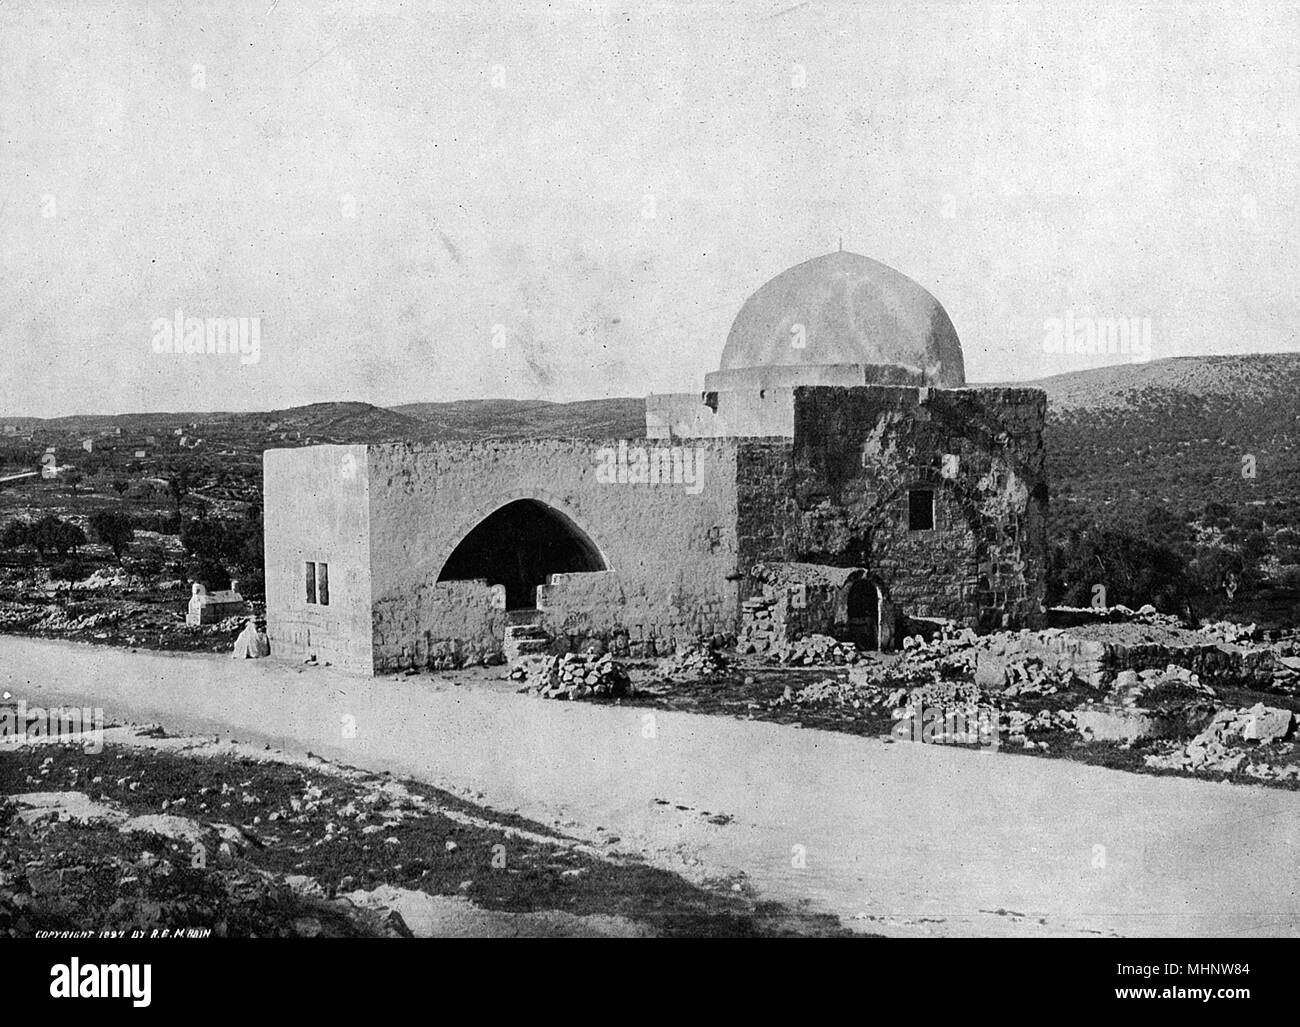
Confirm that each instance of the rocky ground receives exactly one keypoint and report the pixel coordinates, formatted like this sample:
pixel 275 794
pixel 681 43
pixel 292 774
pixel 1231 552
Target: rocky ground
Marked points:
pixel 111 607
pixel 999 691
pixel 180 834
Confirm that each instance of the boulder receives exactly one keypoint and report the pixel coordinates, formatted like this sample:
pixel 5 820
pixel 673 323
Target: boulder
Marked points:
pixel 1266 724
pixel 990 671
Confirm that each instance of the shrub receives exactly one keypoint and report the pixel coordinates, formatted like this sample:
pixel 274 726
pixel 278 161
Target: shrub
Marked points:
pixel 116 530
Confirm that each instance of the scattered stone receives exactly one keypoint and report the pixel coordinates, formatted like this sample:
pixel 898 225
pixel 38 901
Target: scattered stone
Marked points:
pixel 815 651
pixel 694 663
pixel 1231 738
pixel 577 676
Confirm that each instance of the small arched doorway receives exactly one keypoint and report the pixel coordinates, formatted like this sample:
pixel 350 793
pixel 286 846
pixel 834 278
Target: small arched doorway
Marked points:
pixel 519 546
pixel 861 617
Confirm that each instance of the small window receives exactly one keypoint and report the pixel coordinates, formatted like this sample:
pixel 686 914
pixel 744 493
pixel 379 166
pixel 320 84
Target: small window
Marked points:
pixel 920 510
pixel 318 583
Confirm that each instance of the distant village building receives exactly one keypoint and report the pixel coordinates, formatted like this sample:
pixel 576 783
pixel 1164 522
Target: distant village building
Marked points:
pixel 88 445
pixel 140 454
pixel 835 475
pixel 210 607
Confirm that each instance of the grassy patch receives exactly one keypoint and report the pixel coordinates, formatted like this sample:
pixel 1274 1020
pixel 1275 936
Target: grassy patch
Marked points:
pixel 351 832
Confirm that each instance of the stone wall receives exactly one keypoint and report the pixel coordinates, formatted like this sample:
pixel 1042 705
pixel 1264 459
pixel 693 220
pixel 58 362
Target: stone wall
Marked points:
pixel 679 555
pixel 1099 661
pixel 837 494
pixel 801 599
pixel 629 618
pixel 439 624
pixel 317 508
pixel 727 414
pixel 671 549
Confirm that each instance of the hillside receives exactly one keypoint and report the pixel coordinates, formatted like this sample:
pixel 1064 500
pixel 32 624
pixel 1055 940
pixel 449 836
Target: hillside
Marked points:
pixel 1135 385
pixel 1171 432
pixel 507 418
pixel 329 422
pixel 319 422
pixel 1175 432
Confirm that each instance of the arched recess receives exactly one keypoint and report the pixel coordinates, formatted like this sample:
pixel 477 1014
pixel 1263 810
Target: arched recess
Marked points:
pixel 519 545
pixel 862 613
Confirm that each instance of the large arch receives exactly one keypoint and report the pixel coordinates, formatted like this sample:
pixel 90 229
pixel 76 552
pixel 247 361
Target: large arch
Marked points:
pixel 519 545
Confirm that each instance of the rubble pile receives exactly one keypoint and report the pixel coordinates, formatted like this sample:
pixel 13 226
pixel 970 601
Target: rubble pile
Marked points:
pixel 1028 675
pixel 954 694
pixel 694 663
pixel 19 617
pixel 1226 631
pixel 815 650
pixel 1117 614
pixel 1286 664
pixel 1158 688
pixel 921 662
pixel 1236 739
pixel 1286 674
pixel 1149 704
pixel 1019 725
pixel 56 618
pixel 574 676
pixel 829 692
pixel 1258 723
pixel 107 577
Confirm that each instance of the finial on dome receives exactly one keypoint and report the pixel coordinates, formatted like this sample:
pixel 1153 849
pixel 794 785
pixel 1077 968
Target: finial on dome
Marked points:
pixel 841 244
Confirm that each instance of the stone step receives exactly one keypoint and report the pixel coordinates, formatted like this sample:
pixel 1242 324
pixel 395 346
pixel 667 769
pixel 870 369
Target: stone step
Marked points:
pixel 523 640
pixel 525 631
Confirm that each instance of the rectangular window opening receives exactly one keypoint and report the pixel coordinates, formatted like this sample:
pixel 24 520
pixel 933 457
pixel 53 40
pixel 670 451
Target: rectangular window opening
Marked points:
pixel 311 582
pixel 920 510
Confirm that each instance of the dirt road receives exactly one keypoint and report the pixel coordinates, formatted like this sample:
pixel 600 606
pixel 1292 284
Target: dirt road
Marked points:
pixel 891 837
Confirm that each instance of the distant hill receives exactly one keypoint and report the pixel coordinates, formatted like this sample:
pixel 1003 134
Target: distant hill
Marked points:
pixel 329 422
pixel 321 422
pixel 1174 432
pixel 1119 439
pixel 1144 385
pixel 510 419
pixel 352 422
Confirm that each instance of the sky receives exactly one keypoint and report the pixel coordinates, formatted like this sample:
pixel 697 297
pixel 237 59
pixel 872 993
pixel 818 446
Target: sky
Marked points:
pixel 441 201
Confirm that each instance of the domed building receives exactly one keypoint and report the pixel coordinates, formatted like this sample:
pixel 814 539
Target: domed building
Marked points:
pixel 840 319
pixel 835 476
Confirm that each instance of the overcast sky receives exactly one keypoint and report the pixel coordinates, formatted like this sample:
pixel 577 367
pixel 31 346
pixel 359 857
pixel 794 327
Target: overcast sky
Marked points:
pixel 433 201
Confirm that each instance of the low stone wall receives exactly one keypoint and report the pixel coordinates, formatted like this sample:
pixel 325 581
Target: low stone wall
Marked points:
pixel 442 625
pixel 784 613
pixel 1098 661
pixel 601 607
